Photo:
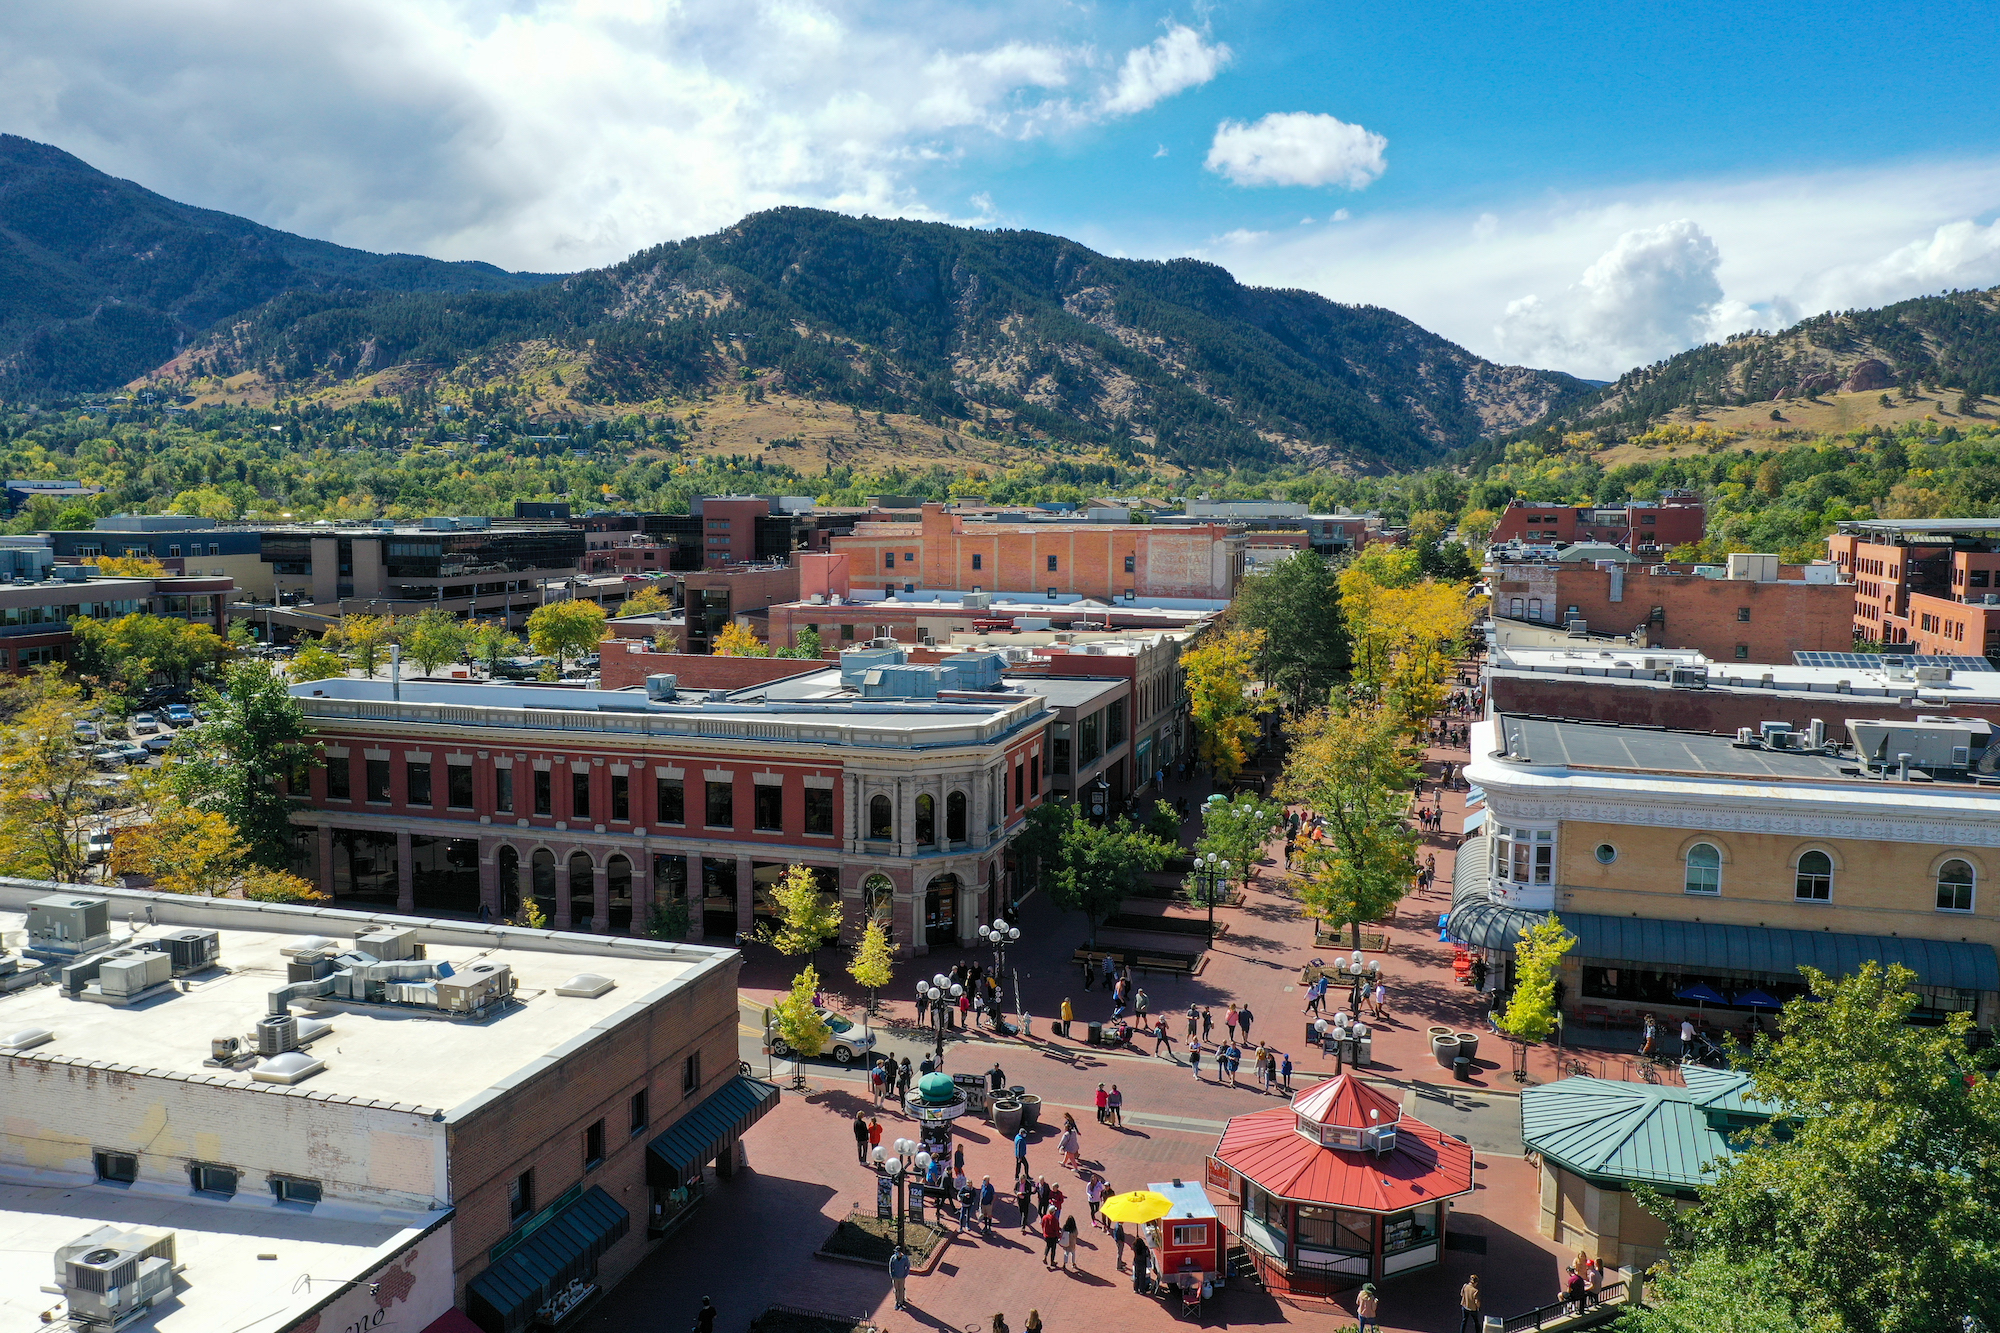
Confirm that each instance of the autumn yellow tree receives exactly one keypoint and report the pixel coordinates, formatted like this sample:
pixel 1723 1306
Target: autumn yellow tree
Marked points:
pixel 873 964
pixel 48 788
pixel 1351 763
pixel 181 850
pixel 365 640
pixel 737 641
pixel 648 601
pixel 1222 704
pixel 129 566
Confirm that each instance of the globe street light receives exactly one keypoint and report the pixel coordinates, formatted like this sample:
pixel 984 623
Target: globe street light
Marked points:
pixel 941 989
pixel 1214 870
pixel 1000 935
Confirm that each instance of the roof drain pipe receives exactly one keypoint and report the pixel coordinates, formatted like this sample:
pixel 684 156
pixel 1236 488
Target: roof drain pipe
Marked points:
pixel 1903 768
pixel 396 673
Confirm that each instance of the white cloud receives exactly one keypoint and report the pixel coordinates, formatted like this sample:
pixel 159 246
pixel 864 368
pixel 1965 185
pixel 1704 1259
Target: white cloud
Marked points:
pixel 1785 247
pixel 1296 148
pixel 557 134
pixel 1178 60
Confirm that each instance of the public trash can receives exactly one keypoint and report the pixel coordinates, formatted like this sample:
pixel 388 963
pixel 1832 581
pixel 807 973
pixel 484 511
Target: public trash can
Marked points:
pixel 1364 1051
pixel 1096 1034
pixel 1461 1069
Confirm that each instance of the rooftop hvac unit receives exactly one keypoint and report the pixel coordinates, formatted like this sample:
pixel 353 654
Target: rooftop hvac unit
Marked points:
pixel 388 944
pixel 111 1277
pixel 818 599
pixel 1777 735
pixel 662 686
pixel 191 950
pixel 1689 678
pixel 67 925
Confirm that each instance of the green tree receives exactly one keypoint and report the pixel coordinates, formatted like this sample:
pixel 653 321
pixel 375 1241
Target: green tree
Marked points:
pixel 808 647
pixel 433 638
pixel 806 918
pixel 365 639
pixel 492 643
pixel 1236 830
pixel 669 919
pixel 1531 1010
pixel 316 662
pixel 1351 763
pixel 255 735
pixel 1295 605
pixel 565 629
pixel 873 965
pixel 1867 1206
pixel 797 1019
pixel 124 654
pixel 1099 866
pixel 48 792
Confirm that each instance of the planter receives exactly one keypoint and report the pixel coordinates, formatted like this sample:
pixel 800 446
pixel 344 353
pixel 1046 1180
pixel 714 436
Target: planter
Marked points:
pixel 1031 1110
pixel 1432 1034
pixel 1468 1045
pixel 1445 1049
pixel 1006 1117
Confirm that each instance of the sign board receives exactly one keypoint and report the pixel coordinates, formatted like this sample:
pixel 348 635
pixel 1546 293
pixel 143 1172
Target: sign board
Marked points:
pixel 1217 1176
pixel 409 1291
pixel 884 1197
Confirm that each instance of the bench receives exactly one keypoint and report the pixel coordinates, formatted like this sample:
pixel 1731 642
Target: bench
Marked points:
pixel 1177 966
pixel 1085 954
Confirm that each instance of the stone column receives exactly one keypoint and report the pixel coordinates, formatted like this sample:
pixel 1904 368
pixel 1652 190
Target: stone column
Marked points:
pixel 746 892
pixel 489 878
pixel 642 888
pixel 325 868
pixel 406 893
pixel 562 921
pixel 600 898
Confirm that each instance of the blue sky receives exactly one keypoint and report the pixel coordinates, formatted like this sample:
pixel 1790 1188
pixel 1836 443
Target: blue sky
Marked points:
pixel 1578 186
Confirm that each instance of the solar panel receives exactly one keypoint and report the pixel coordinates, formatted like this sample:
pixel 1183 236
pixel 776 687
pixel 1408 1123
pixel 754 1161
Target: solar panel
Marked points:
pixel 1873 661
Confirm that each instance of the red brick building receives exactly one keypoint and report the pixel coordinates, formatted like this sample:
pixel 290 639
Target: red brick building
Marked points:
pixel 1676 519
pixel 34 617
pixel 1760 611
pixel 901 794
pixel 1934 583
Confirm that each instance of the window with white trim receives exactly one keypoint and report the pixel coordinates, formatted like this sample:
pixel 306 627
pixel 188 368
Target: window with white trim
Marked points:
pixel 1704 870
pixel 1955 882
pixel 1524 856
pixel 1814 880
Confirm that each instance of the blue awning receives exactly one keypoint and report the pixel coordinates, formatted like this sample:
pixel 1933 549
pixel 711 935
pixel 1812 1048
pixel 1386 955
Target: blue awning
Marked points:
pixel 1474 796
pixel 1474 820
pixel 707 1130
pixel 504 1298
pixel 1733 950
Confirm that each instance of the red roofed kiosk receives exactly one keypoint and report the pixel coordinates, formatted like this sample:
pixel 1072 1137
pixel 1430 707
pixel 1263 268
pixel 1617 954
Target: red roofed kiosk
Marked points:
pixel 1339 1188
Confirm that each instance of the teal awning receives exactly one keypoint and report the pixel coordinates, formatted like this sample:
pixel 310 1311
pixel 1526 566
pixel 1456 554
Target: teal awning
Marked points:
pixel 707 1130
pixel 1733 950
pixel 504 1298
pixel 1476 920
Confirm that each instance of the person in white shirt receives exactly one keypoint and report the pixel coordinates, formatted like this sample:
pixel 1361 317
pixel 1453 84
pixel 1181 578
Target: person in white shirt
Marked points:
pixel 1687 1035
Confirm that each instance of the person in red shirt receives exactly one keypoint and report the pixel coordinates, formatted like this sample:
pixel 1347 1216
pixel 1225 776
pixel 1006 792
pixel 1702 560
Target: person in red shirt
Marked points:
pixel 1103 1100
pixel 1051 1233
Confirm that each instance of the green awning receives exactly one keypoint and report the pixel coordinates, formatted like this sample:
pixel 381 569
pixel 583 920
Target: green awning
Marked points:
pixel 504 1298
pixel 707 1130
pixel 1738 950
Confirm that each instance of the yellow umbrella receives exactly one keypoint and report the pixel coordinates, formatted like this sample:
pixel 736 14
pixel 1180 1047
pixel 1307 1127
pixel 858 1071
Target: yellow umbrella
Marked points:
pixel 1139 1206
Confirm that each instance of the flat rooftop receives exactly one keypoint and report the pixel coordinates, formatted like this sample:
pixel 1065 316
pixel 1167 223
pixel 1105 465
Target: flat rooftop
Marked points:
pixel 227 1287
pixel 1599 745
pixel 1890 527
pixel 1965 684
pixel 399 1054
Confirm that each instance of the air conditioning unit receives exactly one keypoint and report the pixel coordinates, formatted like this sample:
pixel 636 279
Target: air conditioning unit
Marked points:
pixel 111 1277
pixel 1689 678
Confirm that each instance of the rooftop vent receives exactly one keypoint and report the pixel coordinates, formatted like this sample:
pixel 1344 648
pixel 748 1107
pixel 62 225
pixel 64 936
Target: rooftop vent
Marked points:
pixel 110 1277
pixel 586 986
pixel 27 1039
pixel 287 1067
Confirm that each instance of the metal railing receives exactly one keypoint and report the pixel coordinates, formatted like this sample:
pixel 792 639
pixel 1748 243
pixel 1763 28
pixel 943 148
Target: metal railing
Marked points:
pixel 1607 1305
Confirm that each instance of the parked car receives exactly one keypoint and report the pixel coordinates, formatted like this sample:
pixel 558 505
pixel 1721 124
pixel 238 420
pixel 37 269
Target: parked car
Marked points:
pixel 179 715
pixel 144 724
pixel 159 744
pixel 846 1041
pixel 97 846
pixel 129 753
pixel 87 733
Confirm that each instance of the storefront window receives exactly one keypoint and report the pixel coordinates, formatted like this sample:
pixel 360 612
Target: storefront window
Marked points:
pixel 1406 1231
pixel 1336 1229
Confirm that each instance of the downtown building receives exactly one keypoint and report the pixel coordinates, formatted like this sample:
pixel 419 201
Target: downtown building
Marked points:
pixel 898 785
pixel 1933 583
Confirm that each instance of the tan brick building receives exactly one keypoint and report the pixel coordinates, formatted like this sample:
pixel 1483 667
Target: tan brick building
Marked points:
pixel 1934 583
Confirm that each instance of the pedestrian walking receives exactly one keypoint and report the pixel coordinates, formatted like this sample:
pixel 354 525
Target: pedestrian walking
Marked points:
pixel 1034 1324
pixel 1381 999
pixel 861 1138
pixel 1229 1022
pixel 1071 1145
pixel 1115 1104
pixel 1089 971
pixel 1468 1306
pixel 1687 1035
pixel 877 1078
pixel 1652 1036
pixel 1051 1233
pixel 704 1318
pixel 1093 1195
pixel 986 1196
pixel 1021 1152
pixel 1263 1079
pixel 1069 1243
pixel 1208 1026
pixel 1161 1038
pixel 903 1079
pixel 1194 1057
pixel 1139 1006
pixel 1243 1017
pixel 1024 1200
pixel 958 1159
pixel 999 1324
pixel 1367 1306
pixel 1285 1073
pixel 1044 1196
pixel 1103 1104
pixel 899 1273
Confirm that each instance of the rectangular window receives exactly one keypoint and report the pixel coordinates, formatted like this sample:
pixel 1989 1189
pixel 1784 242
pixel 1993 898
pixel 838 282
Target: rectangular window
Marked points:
pixel 120 1167
pixel 1052 564
pixel 671 799
pixel 291 1189
pixel 378 781
pixel 521 1196
pixel 338 779
pixel 1114 725
pixel 847 634
pixel 1089 744
pixel 545 793
pixel 621 798
pixel 212 1179
pixel 1131 564
pixel 1060 750
pixel 579 795
pixel 819 810
pixel 503 790
pixel 1742 652
pixel 1743 615
pixel 1034 779
pixel 593 1146
pixel 691 1073
pixel 636 1113
pixel 888 559
pixel 976 560
pixel 1020 786
pixel 768 808
pixel 458 786
pixel 1189 1235
pixel 721 805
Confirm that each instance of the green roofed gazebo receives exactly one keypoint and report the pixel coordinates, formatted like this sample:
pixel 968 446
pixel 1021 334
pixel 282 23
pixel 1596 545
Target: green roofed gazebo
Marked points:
pixel 1596 1139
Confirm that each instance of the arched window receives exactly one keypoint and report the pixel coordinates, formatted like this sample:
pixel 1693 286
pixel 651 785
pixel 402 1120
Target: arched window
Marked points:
pixel 1516 607
pixel 881 824
pixel 1534 608
pixel 582 891
pixel 880 896
pixel 926 821
pixel 954 817
pixel 1815 878
pixel 1954 887
pixel 1704 869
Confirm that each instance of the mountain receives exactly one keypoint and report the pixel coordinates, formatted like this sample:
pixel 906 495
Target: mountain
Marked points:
pixel 1008 336
pixel 102 280
pixel 1937 342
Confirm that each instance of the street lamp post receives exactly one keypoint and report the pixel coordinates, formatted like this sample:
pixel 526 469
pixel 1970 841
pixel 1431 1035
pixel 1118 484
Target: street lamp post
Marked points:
pixel 1000 935
pixel 907 1154
pixel 1213 870
pixel 941 991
